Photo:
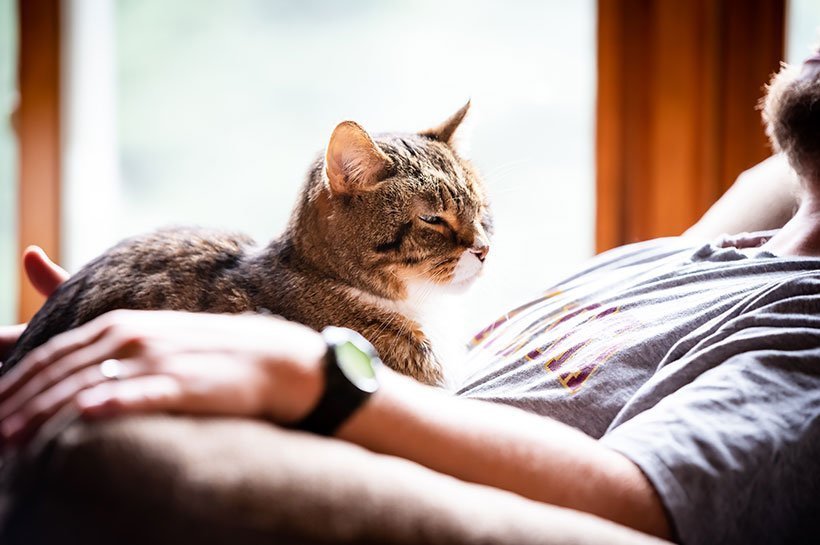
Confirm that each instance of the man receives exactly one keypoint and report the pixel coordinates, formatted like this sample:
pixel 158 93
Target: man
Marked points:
pixel 689 375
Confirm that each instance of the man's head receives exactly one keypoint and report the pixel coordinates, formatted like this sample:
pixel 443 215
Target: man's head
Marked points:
pixel 791 111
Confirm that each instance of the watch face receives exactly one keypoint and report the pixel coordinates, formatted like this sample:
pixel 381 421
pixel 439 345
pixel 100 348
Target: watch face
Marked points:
pixel 355 357
pixel 354 361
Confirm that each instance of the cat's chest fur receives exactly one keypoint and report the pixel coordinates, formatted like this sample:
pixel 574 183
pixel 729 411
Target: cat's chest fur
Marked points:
pixel 286 285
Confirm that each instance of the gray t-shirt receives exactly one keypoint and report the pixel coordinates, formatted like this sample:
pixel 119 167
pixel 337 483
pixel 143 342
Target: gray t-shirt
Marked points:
pixel 702 365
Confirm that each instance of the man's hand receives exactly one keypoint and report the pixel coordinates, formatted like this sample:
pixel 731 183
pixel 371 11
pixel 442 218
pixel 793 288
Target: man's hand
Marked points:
pixel 8 336
pixel 193 363
pixel 45 276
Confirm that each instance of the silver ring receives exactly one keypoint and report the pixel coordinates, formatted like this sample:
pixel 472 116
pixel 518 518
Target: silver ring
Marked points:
pixel 112 369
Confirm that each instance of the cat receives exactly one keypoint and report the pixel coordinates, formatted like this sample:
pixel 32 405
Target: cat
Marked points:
pixel 379 221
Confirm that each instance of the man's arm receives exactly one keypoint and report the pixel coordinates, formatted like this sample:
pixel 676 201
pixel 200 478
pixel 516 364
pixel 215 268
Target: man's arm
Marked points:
pixel 763 197
pixel 506 448
pixel 265 367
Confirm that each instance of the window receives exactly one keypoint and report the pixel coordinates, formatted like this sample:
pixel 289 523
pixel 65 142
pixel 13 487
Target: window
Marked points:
pixel 8 172
pixel 802 29
pixel 210 113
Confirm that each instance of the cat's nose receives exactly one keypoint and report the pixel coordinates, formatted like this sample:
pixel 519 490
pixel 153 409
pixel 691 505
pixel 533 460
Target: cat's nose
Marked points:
pixel 480 250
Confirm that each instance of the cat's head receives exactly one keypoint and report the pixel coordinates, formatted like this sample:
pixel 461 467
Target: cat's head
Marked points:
pixel 402 210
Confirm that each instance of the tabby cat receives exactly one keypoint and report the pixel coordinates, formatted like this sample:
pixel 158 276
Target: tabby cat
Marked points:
pixel 378 222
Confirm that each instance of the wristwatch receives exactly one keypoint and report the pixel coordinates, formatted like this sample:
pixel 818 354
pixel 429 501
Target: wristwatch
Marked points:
pixel 350 367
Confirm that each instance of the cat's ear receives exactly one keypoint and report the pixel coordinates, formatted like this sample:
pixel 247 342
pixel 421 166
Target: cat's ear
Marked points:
pixel 353 161
pixel 445 131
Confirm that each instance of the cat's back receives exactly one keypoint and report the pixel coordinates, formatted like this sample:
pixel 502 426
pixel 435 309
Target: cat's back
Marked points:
pixel 189 269
pixel 186 268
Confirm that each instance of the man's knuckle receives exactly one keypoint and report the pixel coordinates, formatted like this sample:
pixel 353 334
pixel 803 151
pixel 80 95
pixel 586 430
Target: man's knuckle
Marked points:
pixel 49 375
pixel 114 402
pixel 36 359
pixel 118 314
pixel 131 340
pixel 115 319
pixel 122 333
pixel 36 408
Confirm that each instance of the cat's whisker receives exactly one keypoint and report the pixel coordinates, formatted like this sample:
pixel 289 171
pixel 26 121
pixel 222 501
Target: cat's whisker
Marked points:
pixel 510 179
pixel 512 189
pixel 516 184
pixel 387 323
pixel 506 166
pixel 423 273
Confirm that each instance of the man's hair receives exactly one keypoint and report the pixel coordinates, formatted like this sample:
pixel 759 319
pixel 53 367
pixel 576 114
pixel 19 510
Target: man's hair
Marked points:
pixel 791 111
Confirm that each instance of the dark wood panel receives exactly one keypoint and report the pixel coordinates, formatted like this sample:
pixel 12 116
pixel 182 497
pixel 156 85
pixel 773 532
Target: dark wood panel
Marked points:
pixel 37 121
pixel 678 83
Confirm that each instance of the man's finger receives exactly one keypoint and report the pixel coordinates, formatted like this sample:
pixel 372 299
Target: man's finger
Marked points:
pixel 45 275
pixel 8 336
pixel 149 393
pixel 23 424
pixel 42 356
pixel 74 361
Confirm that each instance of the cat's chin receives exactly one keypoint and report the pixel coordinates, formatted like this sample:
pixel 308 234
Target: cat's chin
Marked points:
pixel 457 287
pixel 467 271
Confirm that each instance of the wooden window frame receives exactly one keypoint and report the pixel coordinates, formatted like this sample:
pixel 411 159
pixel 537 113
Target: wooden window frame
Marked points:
pixel 681 76
pixel 678 85
pixel 37 125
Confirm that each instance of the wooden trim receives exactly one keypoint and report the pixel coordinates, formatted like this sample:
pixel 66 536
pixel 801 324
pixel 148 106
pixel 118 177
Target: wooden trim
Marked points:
pixel 37 121
pixel 678 83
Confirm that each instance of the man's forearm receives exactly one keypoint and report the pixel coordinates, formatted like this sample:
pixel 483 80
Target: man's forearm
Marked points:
pixel 506 448
pixel 763 197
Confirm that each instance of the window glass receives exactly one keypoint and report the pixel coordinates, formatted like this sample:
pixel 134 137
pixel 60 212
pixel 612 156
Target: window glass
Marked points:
pixel 222 105
pixel 802 29
pixel 8 156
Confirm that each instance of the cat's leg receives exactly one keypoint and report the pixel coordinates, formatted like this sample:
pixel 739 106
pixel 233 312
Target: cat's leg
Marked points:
pixel 404 348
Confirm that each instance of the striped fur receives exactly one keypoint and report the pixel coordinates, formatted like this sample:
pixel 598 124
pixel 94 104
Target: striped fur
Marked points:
pixel 354 243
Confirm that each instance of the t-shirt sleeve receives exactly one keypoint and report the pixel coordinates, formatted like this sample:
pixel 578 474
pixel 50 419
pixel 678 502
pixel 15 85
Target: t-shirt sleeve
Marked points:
pixel 735 454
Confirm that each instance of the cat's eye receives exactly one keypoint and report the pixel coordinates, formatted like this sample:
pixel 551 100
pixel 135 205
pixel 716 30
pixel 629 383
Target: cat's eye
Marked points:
pixel 432 220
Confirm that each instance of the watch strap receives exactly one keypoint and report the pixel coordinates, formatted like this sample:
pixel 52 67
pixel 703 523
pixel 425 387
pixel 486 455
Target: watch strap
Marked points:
pixel 339 400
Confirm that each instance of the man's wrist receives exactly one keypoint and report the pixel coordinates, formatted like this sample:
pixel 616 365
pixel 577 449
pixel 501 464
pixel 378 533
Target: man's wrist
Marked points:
pixel 297 382
pixel 350 371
